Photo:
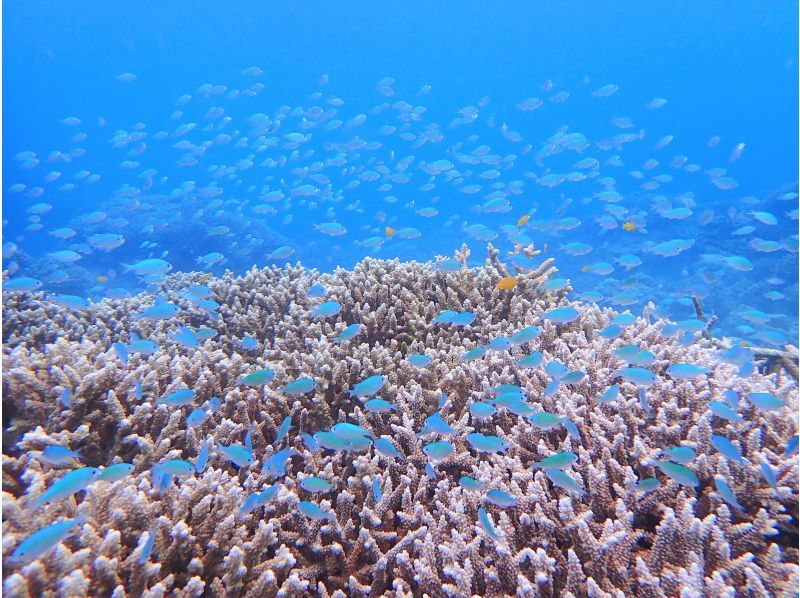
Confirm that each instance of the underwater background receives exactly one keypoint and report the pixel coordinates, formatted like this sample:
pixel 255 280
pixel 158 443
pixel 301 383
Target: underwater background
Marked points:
pixel 728 72
pixel 501 298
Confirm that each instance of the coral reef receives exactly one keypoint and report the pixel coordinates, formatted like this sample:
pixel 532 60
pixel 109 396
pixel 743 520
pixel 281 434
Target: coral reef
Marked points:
pixel 422 537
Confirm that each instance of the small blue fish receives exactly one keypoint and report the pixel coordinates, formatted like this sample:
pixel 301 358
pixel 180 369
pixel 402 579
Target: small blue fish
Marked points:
pixel 766 401
pixel 376 489
pixel 555 369
pixel 214 404
pixel 115 473
pixel 122 352
pixel 731 397
pixel 770 476
pixel 445 317
pixel 348 333
pixel 625 319
pixel 722 410
pixel 610 332
pixel 481 410
pixel 686 371
pixel 21 285
pixel 471 484
pixel 643 401
pixel 463 319
pixel 57 455
pixel 431 472
pixel 160 311
pixel 172 468
pixel 434 423
pixel 725 492
pixel 369 387
pixel 258 500
pixel 315 484
pixel 487 444
pixel 359 443
pixel 379 406
pixel 67 485
pixel 792 446
pixel 312 511
pixel 299 387
pixel 196 418
pixel 42 541
pixel 283 431
pixel 137 390
pixel 66 398
pixel 205 334
pixel 179 398
pixel 248 343
pixel 486 524
pixel 330 441
pixel 557 461
pixel 141 345
pixel 316 291
pixel 727 448
pixel 419 360
pixel 275 466
pixel 237 454
pixel 473 354
pixel 248 437
pixel 545 421
pixel 326 310
pixel 647 485
pixel 202 459
pixel 638 376
pixel 562 315
pixel 680 454
pixel 147 549
pixel 526 335
pixel 309 441
pixel 387 448
pixel 564 481
pixel 348 431
pixel 611 394
pixel 531 361
pixel 500 343
pixel 573 377
pixel 439 450
pixel 501 498
pixel 679 473
pixel 551 389
pixel 257 378
pixel 186 337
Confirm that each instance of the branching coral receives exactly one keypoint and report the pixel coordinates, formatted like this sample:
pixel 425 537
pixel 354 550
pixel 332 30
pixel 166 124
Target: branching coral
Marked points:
pixel 423 534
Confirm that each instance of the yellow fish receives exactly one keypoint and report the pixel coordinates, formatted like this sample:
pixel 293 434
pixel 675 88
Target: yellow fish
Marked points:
pixel 507 283
pixel 389 231
pixel 102 279
pixel 586 268
pixel 204 277
pixel 523 220
pixel 629 226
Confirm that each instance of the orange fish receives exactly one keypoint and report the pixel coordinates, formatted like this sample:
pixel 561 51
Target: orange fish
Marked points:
pixel 629 226
pixel 507 283
pixel 389 231
pixel 523 220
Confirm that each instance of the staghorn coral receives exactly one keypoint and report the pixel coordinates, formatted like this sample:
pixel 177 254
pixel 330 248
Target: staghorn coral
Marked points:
pixel 422 536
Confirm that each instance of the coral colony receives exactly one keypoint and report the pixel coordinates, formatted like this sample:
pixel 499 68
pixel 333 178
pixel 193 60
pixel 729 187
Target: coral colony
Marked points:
pixel 399 429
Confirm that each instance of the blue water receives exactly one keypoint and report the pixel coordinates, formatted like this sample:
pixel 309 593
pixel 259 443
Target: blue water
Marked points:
pixel 727 69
